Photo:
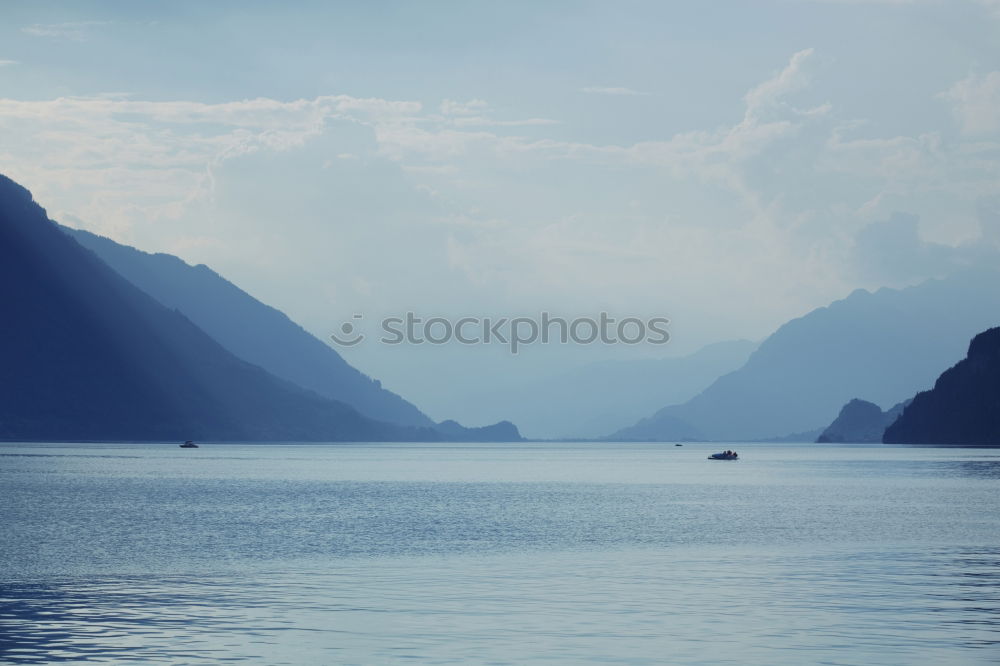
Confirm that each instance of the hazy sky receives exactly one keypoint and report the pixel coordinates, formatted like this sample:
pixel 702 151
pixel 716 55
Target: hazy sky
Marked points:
pixel 727 164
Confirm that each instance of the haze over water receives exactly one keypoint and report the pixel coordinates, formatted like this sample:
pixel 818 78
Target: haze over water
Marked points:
pixel 556 553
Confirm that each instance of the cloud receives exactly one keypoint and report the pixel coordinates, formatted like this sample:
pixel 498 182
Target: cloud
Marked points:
pixel 771 201
pixel 893 250
pixel 473 106
pixel 770 94
pixel 74 30
pixel 260 113
pixel 975 102
pixel 786 185
pixel 144 161
pixel 725 156
pixel 597 90
pixel 476 113
pixel 83 132
pixel 480 121
pixel 7 63
pixel 903 160
pixel 186 140
pixel 713 155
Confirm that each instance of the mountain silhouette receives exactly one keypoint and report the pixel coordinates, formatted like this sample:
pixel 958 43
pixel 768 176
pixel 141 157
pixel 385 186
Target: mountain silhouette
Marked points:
pixel 883 346
pixel 963 408
pixel 87 355
pixel 502 431
pixel 860 421
pixel 593 399
pixel 251 330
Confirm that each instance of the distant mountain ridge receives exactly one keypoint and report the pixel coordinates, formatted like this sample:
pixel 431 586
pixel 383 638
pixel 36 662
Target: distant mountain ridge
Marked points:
pixel 860 421
pixel 884 345
pixel 590 400
pixel 503 431
pixel 963 407
pixel 251 330
pixel 85 355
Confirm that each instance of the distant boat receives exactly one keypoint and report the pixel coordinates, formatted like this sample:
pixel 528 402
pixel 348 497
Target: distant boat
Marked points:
pixel 725 455
pixel 678 445
pixel 189 445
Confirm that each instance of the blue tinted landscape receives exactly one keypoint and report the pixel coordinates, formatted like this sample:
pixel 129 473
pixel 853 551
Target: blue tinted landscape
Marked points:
pixel 512 333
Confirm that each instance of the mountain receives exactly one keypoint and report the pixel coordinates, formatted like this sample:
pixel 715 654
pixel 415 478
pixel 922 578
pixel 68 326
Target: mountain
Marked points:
pixel 503 431
pixel 860 421
pixel 964 405
pixel 596 398
pixel 251 330
pixel 87 355
pixel 885 345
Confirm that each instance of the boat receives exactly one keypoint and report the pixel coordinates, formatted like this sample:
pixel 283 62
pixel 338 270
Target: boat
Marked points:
pixel 725 455
pixel 189 445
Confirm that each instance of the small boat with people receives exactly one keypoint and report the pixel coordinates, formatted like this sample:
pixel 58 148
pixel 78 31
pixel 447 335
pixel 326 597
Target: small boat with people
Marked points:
pixel 725 455
pixel 189 445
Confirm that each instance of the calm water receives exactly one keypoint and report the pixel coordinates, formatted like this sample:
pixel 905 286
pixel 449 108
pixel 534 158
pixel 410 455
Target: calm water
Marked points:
pixel 375 553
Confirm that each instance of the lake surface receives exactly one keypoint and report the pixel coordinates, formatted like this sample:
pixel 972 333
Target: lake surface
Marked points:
pixel 527 553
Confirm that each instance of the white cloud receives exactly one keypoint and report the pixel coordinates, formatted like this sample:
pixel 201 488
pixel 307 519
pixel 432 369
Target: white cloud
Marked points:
pixel 145 161
pixel 452 108
pixel 715 155
pixel 75 30
pixel 129 140
pixel 7 63
pixel 598 90
pixel 477 113
pixel 780 192
pixel 480 121
pixel 773 197
pixel 894 250
pixel 975 102
pixel 771 93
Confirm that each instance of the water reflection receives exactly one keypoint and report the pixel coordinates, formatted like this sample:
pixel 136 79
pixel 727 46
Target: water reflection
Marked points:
pixel 979 469
pixel 571 554
pixel 113 619
pixel 624 606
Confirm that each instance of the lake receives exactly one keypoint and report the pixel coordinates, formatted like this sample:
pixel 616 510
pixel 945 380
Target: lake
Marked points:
pixel 501 554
